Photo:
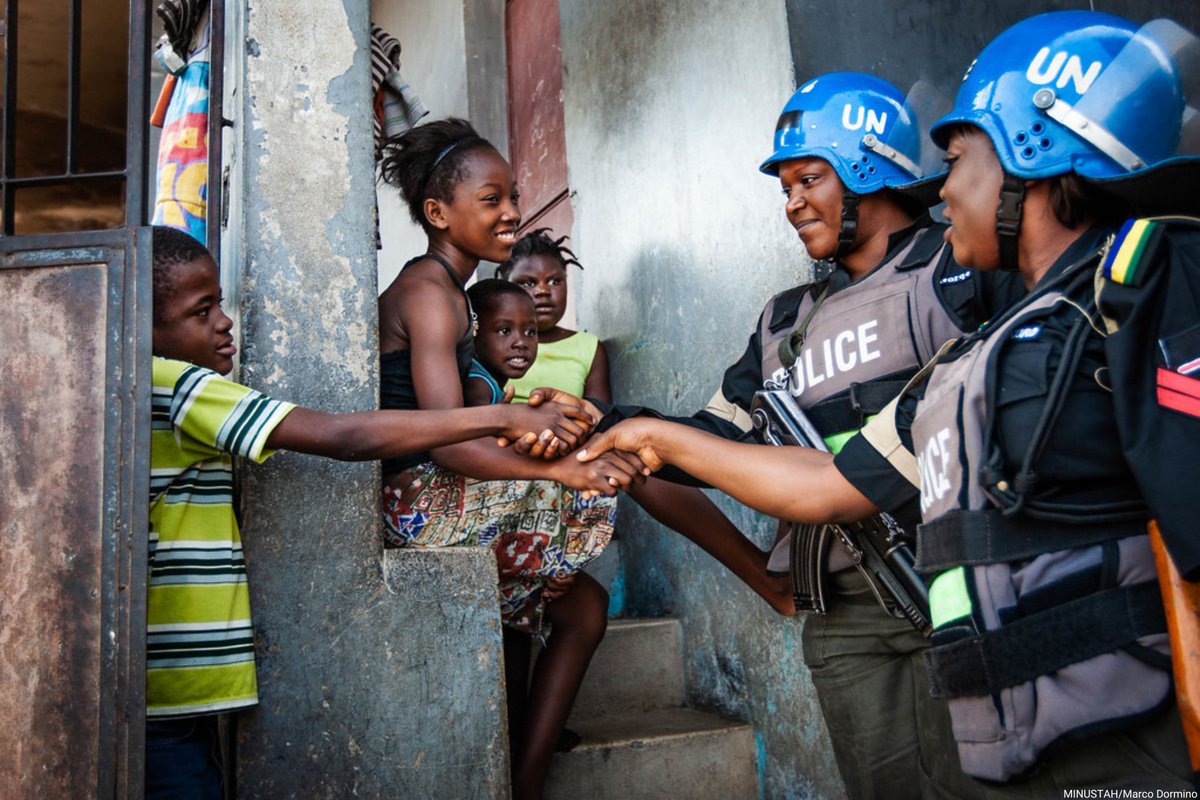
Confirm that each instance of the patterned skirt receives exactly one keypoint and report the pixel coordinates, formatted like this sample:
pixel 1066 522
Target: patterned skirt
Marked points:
pixel 538 529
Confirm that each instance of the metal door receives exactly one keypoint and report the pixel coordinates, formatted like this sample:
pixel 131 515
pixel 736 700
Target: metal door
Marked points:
pixel 74 474
pixel 75 341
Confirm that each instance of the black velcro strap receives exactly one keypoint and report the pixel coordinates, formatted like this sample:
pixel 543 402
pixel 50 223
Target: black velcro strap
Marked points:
pixel 1008 220
pixel 790 345
pixel 847 411
pixel 848 231
pixel 929 241
pixel 1045 643
pixel 785 308
pixel 988 537
pixel 870 398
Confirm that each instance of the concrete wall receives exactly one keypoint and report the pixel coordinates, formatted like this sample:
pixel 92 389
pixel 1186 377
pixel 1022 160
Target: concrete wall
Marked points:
pixel 932 40
pixel 359 676
pixel 669 110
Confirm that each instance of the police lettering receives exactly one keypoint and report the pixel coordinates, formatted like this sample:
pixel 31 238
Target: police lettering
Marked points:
pixel 932 463
pixel 1066 68
pixel 833 356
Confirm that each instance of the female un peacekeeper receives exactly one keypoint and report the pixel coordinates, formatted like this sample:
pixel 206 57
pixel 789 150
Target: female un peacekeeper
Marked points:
pixel 848 154
pixel 1049 643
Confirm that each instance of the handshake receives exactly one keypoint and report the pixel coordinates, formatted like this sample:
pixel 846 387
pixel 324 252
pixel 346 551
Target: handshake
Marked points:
pixel 566 423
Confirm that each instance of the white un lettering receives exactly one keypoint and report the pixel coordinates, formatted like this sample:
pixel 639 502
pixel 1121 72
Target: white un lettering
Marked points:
pixel 833 356
pixel 875 121
pixel 1066 68
pixel 932 464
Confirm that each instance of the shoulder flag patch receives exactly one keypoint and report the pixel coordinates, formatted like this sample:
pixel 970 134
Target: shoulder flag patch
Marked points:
pixel 1134 240
pixel 1178 392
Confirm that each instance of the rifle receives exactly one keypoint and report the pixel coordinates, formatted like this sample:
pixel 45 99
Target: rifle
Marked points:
pixel 1181 599
pixel 876 546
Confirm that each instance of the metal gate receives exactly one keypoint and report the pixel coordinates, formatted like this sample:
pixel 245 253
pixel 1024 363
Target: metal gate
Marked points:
pixel 74 418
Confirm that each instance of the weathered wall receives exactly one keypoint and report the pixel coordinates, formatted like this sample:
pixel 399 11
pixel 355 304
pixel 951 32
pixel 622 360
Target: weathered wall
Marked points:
pixel 351 667
pixel 932 40
pixel 669 110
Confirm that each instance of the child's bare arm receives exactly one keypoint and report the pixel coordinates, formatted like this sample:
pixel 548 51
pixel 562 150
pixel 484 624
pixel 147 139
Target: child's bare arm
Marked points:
pixel 433 329
pixel 476 392
pixel 597 383
pixel 369 435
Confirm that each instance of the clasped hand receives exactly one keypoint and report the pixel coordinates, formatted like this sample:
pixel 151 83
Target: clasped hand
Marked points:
pixel 604 472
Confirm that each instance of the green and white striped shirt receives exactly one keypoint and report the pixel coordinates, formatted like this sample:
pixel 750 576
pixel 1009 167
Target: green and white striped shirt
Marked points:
pixel 199 644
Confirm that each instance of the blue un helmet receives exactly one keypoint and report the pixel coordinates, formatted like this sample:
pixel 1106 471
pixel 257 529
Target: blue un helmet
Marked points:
pixel 864 128
pixel 1083 92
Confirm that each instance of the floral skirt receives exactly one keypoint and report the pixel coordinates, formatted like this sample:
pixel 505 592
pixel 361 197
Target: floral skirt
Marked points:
pixel 538 529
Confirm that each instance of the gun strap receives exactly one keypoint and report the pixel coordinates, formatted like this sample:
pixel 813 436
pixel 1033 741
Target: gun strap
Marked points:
pixel 1042 643
pixel 960 537
pixel 789 346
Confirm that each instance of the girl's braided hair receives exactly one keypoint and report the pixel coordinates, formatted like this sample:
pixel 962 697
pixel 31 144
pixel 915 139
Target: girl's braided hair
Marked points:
pixel 427 162
pixel 538 243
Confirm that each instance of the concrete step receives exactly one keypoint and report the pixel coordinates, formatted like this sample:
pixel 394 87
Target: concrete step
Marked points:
pixel 669 752
pixel 638 667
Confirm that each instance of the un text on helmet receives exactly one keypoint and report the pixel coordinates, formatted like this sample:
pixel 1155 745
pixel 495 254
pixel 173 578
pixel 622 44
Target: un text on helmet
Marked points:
pixel 1067 68
pixel 875 121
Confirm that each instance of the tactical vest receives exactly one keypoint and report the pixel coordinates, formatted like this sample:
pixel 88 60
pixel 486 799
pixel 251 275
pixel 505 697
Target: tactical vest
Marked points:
pixel 1044 631
pixel 860 347
pixel 865 341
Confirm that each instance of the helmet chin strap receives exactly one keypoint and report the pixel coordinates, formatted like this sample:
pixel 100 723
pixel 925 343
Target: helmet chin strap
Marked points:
pixel 848 232
pixel 1008 220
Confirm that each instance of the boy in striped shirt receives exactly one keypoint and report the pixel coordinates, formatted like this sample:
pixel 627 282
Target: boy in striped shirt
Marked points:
pixel 200 646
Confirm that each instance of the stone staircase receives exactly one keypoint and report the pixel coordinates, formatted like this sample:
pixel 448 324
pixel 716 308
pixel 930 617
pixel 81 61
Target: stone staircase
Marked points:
pixel 639 740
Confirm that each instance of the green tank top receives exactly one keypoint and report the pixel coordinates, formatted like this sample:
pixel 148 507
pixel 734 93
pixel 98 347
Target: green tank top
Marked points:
pixel 560 365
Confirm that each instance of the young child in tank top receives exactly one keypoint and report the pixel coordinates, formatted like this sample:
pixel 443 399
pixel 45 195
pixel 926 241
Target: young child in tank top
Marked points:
pixel 506 340
pixel 506 344
pixel 574 361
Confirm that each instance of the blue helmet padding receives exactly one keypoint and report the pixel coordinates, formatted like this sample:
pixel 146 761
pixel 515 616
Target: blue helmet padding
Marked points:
pixel 828 118
pixel 1070 53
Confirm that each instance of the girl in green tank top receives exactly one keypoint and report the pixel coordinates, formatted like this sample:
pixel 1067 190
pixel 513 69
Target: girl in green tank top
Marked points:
pixel 574 361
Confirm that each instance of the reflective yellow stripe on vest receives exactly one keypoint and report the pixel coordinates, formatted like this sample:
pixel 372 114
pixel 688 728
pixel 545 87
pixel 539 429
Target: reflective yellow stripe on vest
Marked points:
pixel 836 441
pixel 948 598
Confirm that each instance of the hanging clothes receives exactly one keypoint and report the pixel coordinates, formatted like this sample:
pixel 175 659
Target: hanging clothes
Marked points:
pixel 397 107
pixel 181 197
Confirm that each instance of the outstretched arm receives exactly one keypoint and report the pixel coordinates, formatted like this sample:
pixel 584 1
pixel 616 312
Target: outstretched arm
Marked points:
pixel 369 435
pixel 792 483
